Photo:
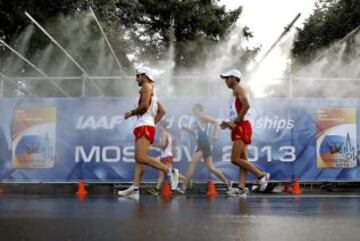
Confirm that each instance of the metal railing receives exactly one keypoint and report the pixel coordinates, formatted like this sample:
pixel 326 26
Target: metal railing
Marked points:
pixel 77 86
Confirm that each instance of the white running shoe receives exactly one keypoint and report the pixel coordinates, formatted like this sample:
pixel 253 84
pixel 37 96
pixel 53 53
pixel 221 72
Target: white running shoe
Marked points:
pixel 180 190
pixel 130 192
pixel 173 178
pixel 236 192
pixel 263 182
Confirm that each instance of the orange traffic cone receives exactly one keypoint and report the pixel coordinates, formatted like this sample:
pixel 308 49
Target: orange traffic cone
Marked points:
pixel 296 188
pixel 81 189
pixel 286 187
pixel 166 191
pixel 211 189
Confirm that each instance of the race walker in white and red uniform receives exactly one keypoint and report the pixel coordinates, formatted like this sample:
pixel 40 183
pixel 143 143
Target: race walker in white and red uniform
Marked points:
pixel 147 113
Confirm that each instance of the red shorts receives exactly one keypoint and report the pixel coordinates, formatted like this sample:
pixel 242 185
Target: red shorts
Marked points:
pixel 167 160
pixel 147 131
pixel 243 132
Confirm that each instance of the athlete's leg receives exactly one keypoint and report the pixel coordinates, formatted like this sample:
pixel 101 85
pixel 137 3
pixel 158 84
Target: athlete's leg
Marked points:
pixel 133 190
pixel 243 171
pixel 139 172
pixel 210 166
pixel 239 147
pixel 142 146
pixel 182 177
pixel 195 159
pixel 162 177
pixel 160 180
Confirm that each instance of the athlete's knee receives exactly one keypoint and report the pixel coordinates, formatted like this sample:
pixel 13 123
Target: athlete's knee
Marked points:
pixel 211 168
pixel 237 161
pixel 242 161
pixel 234 160
pixel 190 172
pixel 142 172
pixel 215 171
pixel 140 158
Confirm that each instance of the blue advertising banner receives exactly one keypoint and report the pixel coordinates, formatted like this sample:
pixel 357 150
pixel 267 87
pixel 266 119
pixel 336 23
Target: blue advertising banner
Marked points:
pixel 64 140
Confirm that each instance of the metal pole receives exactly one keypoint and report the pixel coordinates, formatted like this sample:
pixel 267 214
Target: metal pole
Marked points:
pixel 12 80
pixel 64 51
pixel 23 58
pixel 1 86
pixel 286 30
pixel 357 29
pixel 34 67
pixel 83 87
pixel 107 41
pixel 291 92
pixel 353 32
pixel 174 77
pixel 354 63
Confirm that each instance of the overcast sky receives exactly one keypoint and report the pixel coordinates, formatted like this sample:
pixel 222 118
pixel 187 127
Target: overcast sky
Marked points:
pixel 267 19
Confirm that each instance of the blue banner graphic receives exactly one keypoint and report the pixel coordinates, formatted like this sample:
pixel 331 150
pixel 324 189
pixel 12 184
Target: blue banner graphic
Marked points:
pixel 64 140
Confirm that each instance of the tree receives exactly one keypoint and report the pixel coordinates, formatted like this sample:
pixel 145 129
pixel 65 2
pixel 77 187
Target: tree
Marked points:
pixel 326 51
pixel 12 18
pixel 192 26
pixel 139 31
pixel 331 21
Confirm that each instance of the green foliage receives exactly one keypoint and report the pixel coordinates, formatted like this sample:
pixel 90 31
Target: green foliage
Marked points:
pixel 331 21
pixel 184 31
pixel 192 26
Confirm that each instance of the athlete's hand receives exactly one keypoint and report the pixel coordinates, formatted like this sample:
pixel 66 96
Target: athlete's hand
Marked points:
pixel 223 125
pixel 227 124
pixel 127 115
pixel 238 120
pixel 232 125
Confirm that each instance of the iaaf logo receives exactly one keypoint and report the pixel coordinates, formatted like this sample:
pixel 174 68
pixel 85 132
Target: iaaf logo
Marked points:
pixel 109 122
pixel 93 122
pixel 273 122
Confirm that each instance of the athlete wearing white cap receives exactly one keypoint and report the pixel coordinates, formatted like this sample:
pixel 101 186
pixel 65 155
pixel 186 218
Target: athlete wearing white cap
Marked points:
pixel 146 71
pixel 167 145
pixel 241 133
pixel 148 112
pixel 232 72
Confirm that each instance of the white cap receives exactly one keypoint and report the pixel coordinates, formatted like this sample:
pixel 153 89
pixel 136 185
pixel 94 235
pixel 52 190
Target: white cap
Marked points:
pixel 231 72
pixel 147 71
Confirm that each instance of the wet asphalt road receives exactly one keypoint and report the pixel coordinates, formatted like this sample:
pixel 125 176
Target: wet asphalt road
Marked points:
pixel 259 217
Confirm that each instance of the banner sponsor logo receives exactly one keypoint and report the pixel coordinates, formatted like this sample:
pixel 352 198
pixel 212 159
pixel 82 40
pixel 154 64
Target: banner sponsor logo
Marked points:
pixel 273 123
pixel 102 122
pixel 34 137
pixel 336 138
pixel 67 139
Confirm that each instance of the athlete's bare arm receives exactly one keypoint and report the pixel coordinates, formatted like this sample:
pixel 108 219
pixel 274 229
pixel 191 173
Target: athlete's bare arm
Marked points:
pixel 145 101
pixel 214 122
pixel 215 133
pixel 189 130
pixel 240 93
pixel 160 113
pixel 208 119
pixel 162 141
pixel 227 124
